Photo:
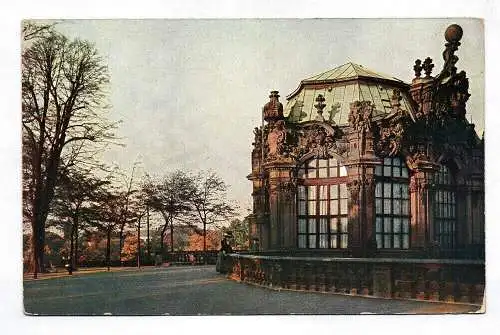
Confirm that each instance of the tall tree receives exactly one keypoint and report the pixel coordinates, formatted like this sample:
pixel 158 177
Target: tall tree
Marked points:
pixel 63 104
pixel 209 202
pixel 169 196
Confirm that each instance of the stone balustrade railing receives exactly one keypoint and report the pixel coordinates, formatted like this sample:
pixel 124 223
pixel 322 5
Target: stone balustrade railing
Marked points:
pixel 449 280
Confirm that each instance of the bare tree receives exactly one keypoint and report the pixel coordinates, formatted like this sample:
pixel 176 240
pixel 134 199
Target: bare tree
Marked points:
pixel 63 105
pixel 209 202
pixel 169 196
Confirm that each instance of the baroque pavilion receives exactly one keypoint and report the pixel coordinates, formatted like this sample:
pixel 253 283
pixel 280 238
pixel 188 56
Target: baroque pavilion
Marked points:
pixel 361 164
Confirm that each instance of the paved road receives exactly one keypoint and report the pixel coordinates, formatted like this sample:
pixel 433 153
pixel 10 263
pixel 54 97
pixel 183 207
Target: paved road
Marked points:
pixel 195 290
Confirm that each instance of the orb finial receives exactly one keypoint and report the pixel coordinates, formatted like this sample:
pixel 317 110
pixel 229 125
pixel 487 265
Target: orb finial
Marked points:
pixel 453 33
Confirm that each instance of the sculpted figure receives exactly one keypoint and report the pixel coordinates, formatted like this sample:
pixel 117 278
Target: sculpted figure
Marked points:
pixel 276 139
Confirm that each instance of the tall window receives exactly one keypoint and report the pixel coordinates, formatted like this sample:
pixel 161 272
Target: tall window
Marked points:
pixel 392 205
pixel 322 205
pixel 444 208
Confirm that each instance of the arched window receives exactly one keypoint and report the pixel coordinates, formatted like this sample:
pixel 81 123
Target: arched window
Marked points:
pixel 392 205
pixel 322 205
pixel 444 208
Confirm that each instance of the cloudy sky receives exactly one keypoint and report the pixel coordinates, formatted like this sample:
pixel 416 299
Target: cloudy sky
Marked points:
pixel 189 92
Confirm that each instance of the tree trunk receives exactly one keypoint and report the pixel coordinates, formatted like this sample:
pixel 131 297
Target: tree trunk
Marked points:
pixel 71 250
pixel 148 248
pixel 139 243
pixel 171 237
pixel 205 242
pixel 121 243
pixel 108 248
pixel 74 263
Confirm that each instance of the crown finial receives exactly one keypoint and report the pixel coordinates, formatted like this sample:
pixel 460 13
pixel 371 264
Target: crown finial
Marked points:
pixel 418 68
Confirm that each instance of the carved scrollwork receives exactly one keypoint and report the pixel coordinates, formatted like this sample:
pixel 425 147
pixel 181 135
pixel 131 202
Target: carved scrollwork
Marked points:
pixel 360 116
pixel 319 140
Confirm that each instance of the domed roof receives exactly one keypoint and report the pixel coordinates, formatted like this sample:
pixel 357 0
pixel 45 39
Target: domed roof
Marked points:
pixel 340 87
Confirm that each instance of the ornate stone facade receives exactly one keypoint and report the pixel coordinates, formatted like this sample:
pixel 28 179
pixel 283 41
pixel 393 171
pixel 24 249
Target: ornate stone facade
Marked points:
pixel 416 149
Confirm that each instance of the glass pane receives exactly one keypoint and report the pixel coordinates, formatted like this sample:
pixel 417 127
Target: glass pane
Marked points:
pixel 406 242
pixel 302 226
pixel 387 161
pixel 378 170
pixel 387 190
pixel 312 241
pixel 333 225
pixel 301 190
pixel 343 241
pixel 323 207
pixel 343 191
pixel 396 161
pixel 302 208
pixel 302 173
pixel 334 191
pixel 387 171
pixel 343 171
pixel 323 241
pixel 311 207
pixel 311 164
pixel 396 241
pixel 379 241
pixel 343 224
pixel 387 225
pixel 323 192
pixel 311 192
pixel 378 189
pixel 322 163
pixel 378 225
pixel 312 226
pixel 378 206
pixel 311 173
pixel 396 191
pixel 406 225
pixel 323 226
pixel 334 207
pixel 302 241
pixel 404 172
pixel 396 171
pixel 387 206
pixel 397 225
pixel 323 173
pixel 333 172
pixel 396 209
pixel 387 241
pixel 333 241
pixel 405 207
pixel 343 206
pixel 332 162
pixel 404 191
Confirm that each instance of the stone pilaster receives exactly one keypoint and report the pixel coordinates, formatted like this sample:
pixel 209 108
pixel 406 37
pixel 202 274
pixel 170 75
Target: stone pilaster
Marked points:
pixel 282 208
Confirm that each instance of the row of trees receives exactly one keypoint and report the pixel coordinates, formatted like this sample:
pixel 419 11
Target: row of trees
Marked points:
pixel 65 188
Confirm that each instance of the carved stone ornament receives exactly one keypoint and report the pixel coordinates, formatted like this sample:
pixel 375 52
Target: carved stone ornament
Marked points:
pixel 354 187
pixel 273 110
pixel 360 116
pixel 419 153
pixel 391 133
pixel 318 140
pixel 276 140
pixel 257 142
pixel 369 183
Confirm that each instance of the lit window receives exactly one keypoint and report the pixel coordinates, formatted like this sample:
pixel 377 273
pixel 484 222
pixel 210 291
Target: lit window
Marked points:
pixel 322 207
pixel 392 205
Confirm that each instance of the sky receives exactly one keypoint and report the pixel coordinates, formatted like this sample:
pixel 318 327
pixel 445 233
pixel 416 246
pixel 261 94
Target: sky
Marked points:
pixel 190 92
